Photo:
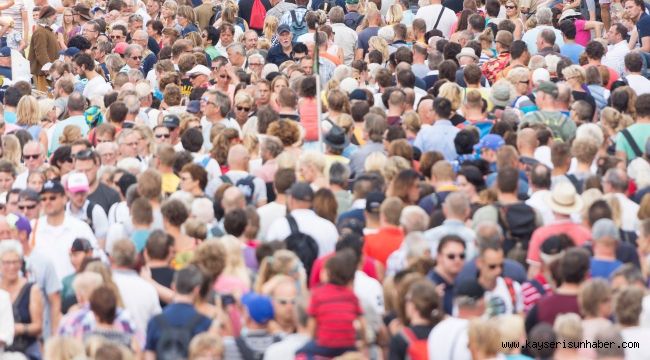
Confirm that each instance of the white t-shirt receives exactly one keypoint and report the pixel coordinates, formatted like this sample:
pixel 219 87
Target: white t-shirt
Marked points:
pixel 369 291
pixel 323 231
pixel 448 340
pixel 500 301
pixel 259 191
pixel 6 319
pixel 140 298
pixel 268 214
pixel 430 15
pixel 96 87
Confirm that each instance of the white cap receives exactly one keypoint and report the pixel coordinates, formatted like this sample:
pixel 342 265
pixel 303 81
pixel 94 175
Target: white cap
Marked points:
pixel 77 182
pixel 349 84
pixel 199 69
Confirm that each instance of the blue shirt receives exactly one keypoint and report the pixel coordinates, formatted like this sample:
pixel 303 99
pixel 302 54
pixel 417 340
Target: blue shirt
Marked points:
pixel 139 238
pixel 438 137
pixel 603 268
pixel 448 297
pixel 572 51
pixel 77 120
pixel 177 315
pixel 364 37
pixel 188 29
pixel 10 117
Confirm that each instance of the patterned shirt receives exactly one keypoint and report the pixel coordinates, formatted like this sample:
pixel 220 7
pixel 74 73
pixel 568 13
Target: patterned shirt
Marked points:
pixel 493 66
pixel 79 323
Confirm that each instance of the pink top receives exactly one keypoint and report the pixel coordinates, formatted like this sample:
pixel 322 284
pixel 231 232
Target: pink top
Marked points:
pixel 582 36
pixel 309 118
pixel 227 284
pixel 578 233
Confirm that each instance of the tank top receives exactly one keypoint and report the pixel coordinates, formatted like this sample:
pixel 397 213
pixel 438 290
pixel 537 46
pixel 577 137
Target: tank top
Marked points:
pixel 22 316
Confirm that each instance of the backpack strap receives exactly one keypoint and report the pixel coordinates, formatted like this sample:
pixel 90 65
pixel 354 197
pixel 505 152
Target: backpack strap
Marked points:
pixel 293 225
pixel 511 291
pixel 502 214
pixel 225 179
pixel 245 351
pixel 442 9
pixel 408 335
pixel 630 140
pixel 205 161
pixel 89 213
pixel 294 19
pixel 538 286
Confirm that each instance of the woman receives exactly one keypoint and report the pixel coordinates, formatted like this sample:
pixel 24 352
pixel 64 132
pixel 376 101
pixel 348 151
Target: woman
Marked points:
pixel 155 28
pixel 597 78
pixel 282 262
pixel 35 180
pixel 174 214
pixel 28 116
pixel 26 299
pixel 613 122
pixel 514 14
pixel 269 32
pixel 243 107
pixel 288 131
pixel 406 187
pixel 423 311
pixel 484 339
pixel 470 181
pixel 169 9
pixel 519 77
pixel 194 179
pixel 595 302
pixel 48 116
pixel 394 14
pixel 454 93
pixel 576 78
pixel 186 19
pixel 221 144
pixel 12 151
pixel 224 75
pixel 325 204
pixel 337 104
pixel 278 83
pixel 230 15
pixel 62 159
pixel 379 44
pixel 235 279
pixel 103 304
pixel 311 169
pixel 68 29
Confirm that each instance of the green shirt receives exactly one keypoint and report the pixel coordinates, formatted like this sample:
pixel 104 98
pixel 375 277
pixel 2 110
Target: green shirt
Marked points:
pixel 640 133
pixel 560 124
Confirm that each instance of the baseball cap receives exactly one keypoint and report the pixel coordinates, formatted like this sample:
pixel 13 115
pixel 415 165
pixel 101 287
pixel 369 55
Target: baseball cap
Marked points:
pixel 469 288
pixel 19 223
pixel 358 94
pixel 171 121
pixel 5 51
pixel 283 28
pixel 373 201
pixel 52 187
pixel 120 48
pixel 490 141
pixel 194 107
pixel 199 70
pixel 352 2
pixel 81 244
pixel 548 87
pixel 260 307
pixel 77 182
pixel 301 191
pixel 71 52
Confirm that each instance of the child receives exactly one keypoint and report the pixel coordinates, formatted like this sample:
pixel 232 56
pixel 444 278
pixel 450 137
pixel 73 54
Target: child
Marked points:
pixel 13 38
pixel 333 308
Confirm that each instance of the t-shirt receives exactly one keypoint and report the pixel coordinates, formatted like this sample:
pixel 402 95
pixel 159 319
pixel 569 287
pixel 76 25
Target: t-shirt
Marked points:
pixel 364 37
pixel 572 51
pixel 163 276
pixel 603 268
pixel 582 36
pixel 334 308
pixel 383 243
pixel 640 133
pixel 177 314
pixel 104 197
pixel 643 27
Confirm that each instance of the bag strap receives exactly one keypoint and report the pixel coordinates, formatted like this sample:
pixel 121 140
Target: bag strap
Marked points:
pixel 243 348
pixel 511 291
pixel 502 213
pixel 293 225
pixel 294 20
pixel 632 143
pixel 442 9
pixel 538 286
pixel 226 179
pixel 192 323
pixel 408 335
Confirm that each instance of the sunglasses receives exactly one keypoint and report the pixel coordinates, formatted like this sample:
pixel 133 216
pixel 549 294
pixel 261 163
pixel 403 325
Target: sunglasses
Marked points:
pixel 241 108
pixel 83 155
pixel 494 266
pixel 160 136
pixel 116 36
pixel 136 57
pixel 460 256
pixel 224 76
pixel 48 198
pixel 510 7
pixel 286 301
pixel 32 157
pixel 27 207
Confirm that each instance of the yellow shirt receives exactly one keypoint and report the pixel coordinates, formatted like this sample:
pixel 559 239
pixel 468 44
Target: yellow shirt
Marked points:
pixel 170 182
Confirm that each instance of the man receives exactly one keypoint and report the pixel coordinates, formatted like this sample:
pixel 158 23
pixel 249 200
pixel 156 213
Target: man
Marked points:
pixel 630 141
pixel 43 46
pixel 226 37
pixel 283 51
pixel 88 162
pixel 99 53
pixel 633 66
pixel 545 43
pixel 420 55
pixel 54 232
pixel 83 209
pixel 344 37
pixel 352 18
pixel 199 76
pixel 570 49
pixel 595 52
pixel 287 347
pixel 450 258
pixel 34 158
pixel 502 294
pixel 636 10
pixel 215 106
pixel 374 127
pixel 90 31
pixel 127 141
pixel 254 188
pixel 133 58
pixel 5 63
pixel 545 97
pixel 118 33
pixel 443 180
pixel 75 109
pixel 494 66
pixel 574 267
pixel 300 201
pixel 425 112
pixel 437 17
pixel 456 208
pixel 616 182
pixel 29 204
pixel 374 21
pixel 388 237
pixel 257 315
pixel 544 18
pixel 618 48
pixel 540 185
pixel 96 87
pixel 440 136
pixel 179 314
pixel 605 239
pixel 272 211
pixel 278 10
pixel 519 57
pixel 236 55
pixel 141 38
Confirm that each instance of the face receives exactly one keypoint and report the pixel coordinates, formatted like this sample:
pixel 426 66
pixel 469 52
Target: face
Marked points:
pixel 307 65
pixel 53 204
pixel 465 186
pixel 117 36
pixel 134 59
pixel 162 135
pixel 198 79
pixel 68 17
pixel 279 85
pixel 452 258
pixel 263 94
pixel 76 258
pixel 6 233
pixel 35 182
pixel 182 20
pixel 129 148
pixel 523 85
pixel 511 8
pixel 612 35
pixel 167 12
pixel 241 111
pixel 414 192
pixel 10 264
pixel 285 39
pixel 491 263
pixel 29 208
pixel 632 9
pixel 89 32
pixel 208 105
pixel 33 157
pixel 187 183
pixel 135 25
pixel 250 41
pixel 78 198
pixel 153 7
pixel 104 137
pixel 284 300
pixel 109 157
pixel 306 173
pixel 87 167
pixel 6 180
pixel 223 79
pixel 12 203
pixel 226 37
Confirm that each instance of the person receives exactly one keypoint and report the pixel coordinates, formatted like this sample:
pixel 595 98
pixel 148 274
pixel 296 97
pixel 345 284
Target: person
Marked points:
pixel 44 47
pixel 547 113
pixel 450 258
pixel 456 209
pixel 83 209
pixel 439 136
pixel 636 11
pixel 88 162
pixel 75 110
pixel 388 237
pixel 34 155
pixel 80 250
pixel 605 237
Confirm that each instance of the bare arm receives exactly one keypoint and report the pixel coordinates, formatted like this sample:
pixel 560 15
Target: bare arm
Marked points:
pixel 358 54
pixel 24 18
pixel 55 310
pixel 645 44
pixel 35 312
pixel 7 5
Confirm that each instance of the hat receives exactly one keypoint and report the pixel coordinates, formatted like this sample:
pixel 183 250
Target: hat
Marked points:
pixel 551 249
pixel 77 182
pixel 569 14
pixel 604 228
pixel 469 288
pixel 19 222
pixel 373 201
pixel 260 307
pixel 490 141
pixel 46 12
pixel 193 107
pixel 283 28
pixel 563 199
pixel 120 48
pixel 5 51
pixel 349 85
pixel 81 244
pixel 83 11
pixel 52 187
pixel 93 116
pixel 352 2
pixel 540 75
pixel 358 94
pixel 71 52
pixel 171 121
pixel 467 51
pixel 548 87
pixel 199 70
pixel 501 94
pixel 301 191
pixel 336 138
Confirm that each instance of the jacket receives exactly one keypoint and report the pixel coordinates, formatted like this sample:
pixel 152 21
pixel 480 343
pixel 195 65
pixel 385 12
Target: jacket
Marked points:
pixel 43 48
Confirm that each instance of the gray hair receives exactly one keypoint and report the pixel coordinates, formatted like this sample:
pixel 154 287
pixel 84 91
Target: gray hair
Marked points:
pixel 238 48
pixel 131 48
pixel 222 101
pixel 339 174
pixel 616 178
pixel 544 16
pixel 256 55
pixel 457 204
pixel 10 246
pixel 336 15
pixel 488 232
pixel 416 245
pixel 132 102
pixel 414 219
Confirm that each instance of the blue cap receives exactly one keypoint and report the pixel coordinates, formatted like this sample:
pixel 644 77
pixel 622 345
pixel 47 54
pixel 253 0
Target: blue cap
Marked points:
pixel 71 51
pixel 5 51
pixel 260 307
pixel 283 28
pixel 194 106
pixel 52 187
pixel 490 141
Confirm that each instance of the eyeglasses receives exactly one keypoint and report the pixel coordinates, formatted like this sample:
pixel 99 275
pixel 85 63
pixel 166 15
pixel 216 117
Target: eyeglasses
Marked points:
pixel 27 207
pixel 494 266
pixel 83 155
pixel 460 256
pixel 160 136
pixel 88 30
pixel 31 157
pixel 241 108
pixel 133 144
pixel 286 301
pixel 254 64
pixel 205 100
pixel 224 76
pixel 48 198
pixel 525 82
pixel 11 262
pixel 136 57
pixel 510 7
pixel 117 36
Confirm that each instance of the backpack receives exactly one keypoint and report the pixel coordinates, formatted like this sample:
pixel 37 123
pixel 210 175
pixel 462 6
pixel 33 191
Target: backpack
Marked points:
pixel 297 28
pixel 89 214
pixel 301 244
pixel 538 286
pixel 249 354
pixel 174 342
pixel 518 224
pixel 417 348
pixel 246 185
pixel 353 24
pixel 577 184
pixel 258 13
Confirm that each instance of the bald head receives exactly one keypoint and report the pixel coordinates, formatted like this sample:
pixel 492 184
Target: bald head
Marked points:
pixel 233 199
pixel 456 206
pixel 238 157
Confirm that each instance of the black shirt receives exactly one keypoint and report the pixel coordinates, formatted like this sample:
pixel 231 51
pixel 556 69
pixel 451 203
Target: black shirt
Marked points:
pixel 399 346
pixel 163 276
pixel 104 197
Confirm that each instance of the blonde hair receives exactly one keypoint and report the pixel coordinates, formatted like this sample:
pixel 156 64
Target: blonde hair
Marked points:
pixel 615 205
pixel 453 92
pixel 235 265
pixel 44 107
pixel 314 160
pixel 484 335
pixel 592 294
pixel 375 162
pixel 286 160
pixel 63 348
pixel 71 133
pixel 107 277
pixel 244 97
pixel 575 71
pixel 281 262
pixel 393 166
pixel 518 74
pixel 511 329
pixel 380 44
pixel 203 343
pixel 568 327
pixel 395 14
pixel 614 119
pixel 11 150
pixel 28 112
pixel 411 121
pixel 270 27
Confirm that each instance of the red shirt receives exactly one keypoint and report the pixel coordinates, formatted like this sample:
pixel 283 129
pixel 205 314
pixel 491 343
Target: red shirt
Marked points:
pixel 578 233
pixel 334 308
pixel 382 243
pixel 367 267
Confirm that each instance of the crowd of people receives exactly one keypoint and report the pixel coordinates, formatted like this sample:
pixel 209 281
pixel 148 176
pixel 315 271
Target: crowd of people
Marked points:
pixel 349 179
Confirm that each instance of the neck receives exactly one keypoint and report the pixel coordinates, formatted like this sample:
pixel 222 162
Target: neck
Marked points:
pixel 559 171
pixel 583 167
pixel 183 299
pixel 56 219
pixel 281 199
pixel 156 263
pixel 568 289
pixel 488 284
pixel 394 112
pixel 604 253
pixel 525 151
pixel 472 114
pixel 90 75
pixel 508 198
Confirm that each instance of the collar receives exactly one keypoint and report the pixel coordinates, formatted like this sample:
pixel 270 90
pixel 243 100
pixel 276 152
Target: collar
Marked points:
pixel 442 122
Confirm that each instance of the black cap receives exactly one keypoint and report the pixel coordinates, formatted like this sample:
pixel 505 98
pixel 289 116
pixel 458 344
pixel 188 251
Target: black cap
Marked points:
pixel 373 202
pixel 171 121
pixel 301 191
pixel 53 187
pixel 336 138
pixel 469 288
pixel 81 244
pixel 358 94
